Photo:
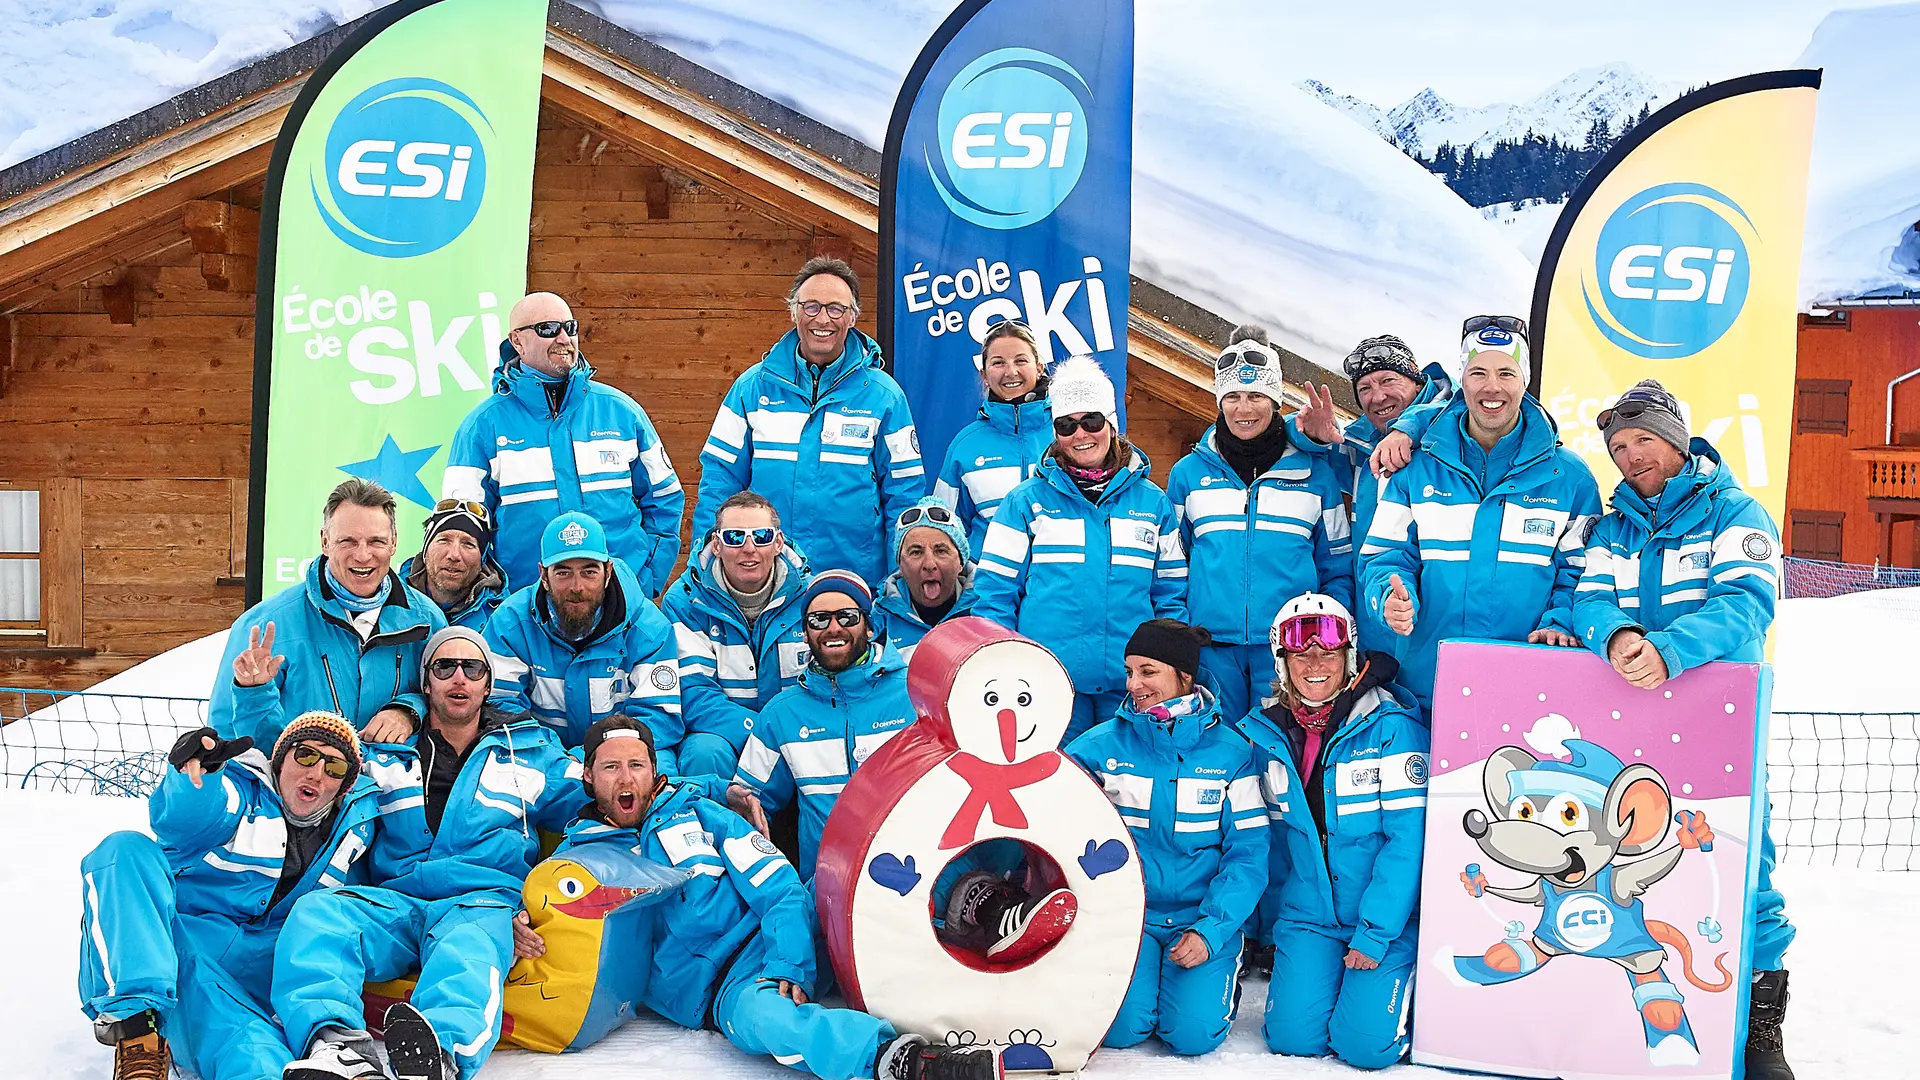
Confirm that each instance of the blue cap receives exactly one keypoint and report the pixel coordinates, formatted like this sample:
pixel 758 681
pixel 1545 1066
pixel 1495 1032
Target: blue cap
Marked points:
pixel 573 535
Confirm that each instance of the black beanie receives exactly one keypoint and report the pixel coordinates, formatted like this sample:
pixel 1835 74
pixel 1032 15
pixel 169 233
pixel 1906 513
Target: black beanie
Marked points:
pixel 1172 643
pixel 597 734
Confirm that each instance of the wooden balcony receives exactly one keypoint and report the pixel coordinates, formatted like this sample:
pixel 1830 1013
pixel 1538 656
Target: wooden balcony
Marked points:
pixel 1893 472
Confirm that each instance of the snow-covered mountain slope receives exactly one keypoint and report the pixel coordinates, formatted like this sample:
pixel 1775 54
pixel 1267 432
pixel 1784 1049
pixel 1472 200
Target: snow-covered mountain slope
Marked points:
pixel 1863 196
pixel 1526 224
pixel 1566 110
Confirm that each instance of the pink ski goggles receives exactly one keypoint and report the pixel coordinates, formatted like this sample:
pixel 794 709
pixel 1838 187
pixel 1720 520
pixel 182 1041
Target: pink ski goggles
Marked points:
pixel 1326 631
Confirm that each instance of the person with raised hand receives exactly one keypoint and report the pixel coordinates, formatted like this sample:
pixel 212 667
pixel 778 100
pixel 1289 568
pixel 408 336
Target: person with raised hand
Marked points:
pixel 1003 446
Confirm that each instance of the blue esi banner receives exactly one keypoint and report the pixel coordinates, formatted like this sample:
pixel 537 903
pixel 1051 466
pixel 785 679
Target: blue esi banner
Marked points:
pixel 1006 192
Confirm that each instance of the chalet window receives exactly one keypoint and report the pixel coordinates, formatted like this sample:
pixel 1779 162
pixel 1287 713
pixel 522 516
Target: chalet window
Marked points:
pixel 1821 407
pixel 19 560
pixel 1815 534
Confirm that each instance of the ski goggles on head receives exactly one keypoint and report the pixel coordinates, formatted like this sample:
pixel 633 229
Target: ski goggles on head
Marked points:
pixel 1327 631
pixel 1088 422
pixel 307 757
pixel 1366 361
pixel 761 537
pixel 1251 353
pixel 553 328
pixel 914 515
pixel 465 506
pixel 1510 323
pixel 1630 406
pixel 846 616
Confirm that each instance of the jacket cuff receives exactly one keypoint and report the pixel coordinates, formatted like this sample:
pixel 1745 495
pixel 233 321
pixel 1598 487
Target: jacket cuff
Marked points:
pixel 1669 652
pixel 1214 933
pixel 1368 944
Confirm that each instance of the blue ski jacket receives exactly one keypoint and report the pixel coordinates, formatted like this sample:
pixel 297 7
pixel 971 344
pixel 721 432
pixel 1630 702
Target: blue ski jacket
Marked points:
pixel 1697 570
pixel 626 664
pixel 833 449
pixel 1361 880
pixel 1080 578
pixel 989 457
pixel 897 622
pixel 1495 560
pixel 328 665
pixel 225 841
pixel 517 782
pixel 479 606
pixel 742 886
pixel 811 737
pixel 598 453
pixel 728 669
pixel 1252 549
pixel 1190 797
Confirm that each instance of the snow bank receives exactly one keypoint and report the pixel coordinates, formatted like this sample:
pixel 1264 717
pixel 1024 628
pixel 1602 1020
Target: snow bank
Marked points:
pixel 1852 653
pixel 1526 225
pixel 1863 195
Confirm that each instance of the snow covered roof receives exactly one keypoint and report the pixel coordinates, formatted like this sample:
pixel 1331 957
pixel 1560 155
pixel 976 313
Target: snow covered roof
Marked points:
pixel 1863 196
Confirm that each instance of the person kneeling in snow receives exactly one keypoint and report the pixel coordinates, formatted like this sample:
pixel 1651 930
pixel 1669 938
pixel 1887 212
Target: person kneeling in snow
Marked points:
pixel 1685 570
pixel 1344 768
pixel 462 805
pixel 1203 846
pixel 178 929
pixel 736 951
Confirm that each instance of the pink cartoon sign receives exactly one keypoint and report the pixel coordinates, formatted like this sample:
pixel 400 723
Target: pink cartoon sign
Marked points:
pixel 1587 889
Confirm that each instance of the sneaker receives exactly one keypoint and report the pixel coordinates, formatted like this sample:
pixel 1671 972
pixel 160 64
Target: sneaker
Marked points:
pixel 1767 1009
pixel 335 1060
pixel 912 1057
pixel 139 1050
pixel 413 1049
pixel 1001 919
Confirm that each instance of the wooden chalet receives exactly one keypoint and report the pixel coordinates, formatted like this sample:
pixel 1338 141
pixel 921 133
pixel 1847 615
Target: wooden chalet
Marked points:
pixel 670 208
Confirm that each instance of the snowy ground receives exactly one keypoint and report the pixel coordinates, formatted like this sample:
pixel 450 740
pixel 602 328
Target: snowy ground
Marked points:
pixel 1849 1020
pixel 1526 224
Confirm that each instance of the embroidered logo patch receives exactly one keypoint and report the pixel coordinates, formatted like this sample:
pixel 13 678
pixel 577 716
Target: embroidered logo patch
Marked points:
pixel 1417 769
pixel 574 534
pixel 664 678
pixel 1757 547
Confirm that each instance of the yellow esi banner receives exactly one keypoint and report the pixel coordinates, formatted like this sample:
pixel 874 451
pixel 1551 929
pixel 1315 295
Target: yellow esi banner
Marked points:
pixel 1679 259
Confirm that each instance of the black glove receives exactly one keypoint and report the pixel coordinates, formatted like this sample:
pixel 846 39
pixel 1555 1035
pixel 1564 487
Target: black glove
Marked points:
pixel 190 748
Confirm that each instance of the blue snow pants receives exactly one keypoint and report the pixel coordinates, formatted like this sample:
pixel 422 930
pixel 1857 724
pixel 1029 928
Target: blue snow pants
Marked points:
pixel 1316 1004
pixel 1239 676
pixel 1189 1008
pixel 703 753
pixel 337 941
pixel 1091 709
pixel 833 1044
pixel 1772 933
pixel 206 976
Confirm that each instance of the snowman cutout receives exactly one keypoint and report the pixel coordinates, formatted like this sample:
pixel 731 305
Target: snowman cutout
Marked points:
pixel 981 764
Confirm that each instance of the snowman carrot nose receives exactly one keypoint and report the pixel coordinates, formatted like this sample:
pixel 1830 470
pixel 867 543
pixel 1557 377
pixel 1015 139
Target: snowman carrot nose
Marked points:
pixel 1007 722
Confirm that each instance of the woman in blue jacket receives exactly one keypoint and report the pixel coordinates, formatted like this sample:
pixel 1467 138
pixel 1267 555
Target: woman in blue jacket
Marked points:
pixel 1087 549
pixel 1003 447
pixel 1343 765
pixel 1186 787
pixel 1261 520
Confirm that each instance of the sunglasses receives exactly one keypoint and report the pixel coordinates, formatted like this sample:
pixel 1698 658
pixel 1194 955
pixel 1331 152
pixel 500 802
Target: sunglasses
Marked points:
pixel 762 537
pixel 1326 631
pixel 812 309
pixel 914 515
pixel 444 668
pixel 1509 323
pixel 307 757
pixel 1090 422
pixel 1247 352
pixel 553 328
pixel 846 616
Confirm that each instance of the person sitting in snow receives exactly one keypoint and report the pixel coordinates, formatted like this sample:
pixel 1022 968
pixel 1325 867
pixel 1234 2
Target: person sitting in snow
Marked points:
pixel 177 929
pixel 933 576
pixel 1685 570
pixel 735 950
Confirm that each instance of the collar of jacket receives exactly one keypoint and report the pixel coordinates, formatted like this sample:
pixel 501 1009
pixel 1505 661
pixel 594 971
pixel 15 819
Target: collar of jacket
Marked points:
pixel 1017 418
pixel 1292 466
pixel 512 379
pixel 1268 726
pixel 896 601
pixel 1186 729
pixel 320 589
pixel 783 361
pixel 1684 499
pixel 1539 438
pixel 491 582
pixel 857 681
pixel 710 591
pixel 1131 473
pixel 623 591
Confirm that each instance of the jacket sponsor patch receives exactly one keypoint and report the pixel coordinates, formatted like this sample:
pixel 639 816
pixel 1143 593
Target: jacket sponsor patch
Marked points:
pixel 1757 547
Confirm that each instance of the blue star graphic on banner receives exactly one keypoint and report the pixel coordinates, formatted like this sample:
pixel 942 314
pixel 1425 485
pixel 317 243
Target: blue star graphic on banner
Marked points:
pixel 396 470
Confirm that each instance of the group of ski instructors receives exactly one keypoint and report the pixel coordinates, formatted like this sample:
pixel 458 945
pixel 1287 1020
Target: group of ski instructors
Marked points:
pixel 1252 651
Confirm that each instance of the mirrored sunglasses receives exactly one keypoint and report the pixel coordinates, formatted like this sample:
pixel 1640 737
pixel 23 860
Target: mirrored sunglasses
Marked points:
pixel 444 668
pixel 553 328
pixel 820 620
pixel 762 537
pixel 307 757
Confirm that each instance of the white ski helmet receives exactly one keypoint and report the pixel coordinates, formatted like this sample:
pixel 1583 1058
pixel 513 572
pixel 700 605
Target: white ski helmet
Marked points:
pixel 1313 604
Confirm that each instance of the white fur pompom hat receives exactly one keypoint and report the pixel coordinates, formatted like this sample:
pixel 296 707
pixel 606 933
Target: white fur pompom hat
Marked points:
pixel 1080 386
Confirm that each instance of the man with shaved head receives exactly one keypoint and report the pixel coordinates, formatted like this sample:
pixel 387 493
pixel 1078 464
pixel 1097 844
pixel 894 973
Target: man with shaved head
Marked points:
pixel 550 440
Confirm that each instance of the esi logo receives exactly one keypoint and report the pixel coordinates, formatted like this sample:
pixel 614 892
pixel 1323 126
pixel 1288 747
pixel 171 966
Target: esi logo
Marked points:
pixel 1670 271
pixel 1013 138
pixel 406 168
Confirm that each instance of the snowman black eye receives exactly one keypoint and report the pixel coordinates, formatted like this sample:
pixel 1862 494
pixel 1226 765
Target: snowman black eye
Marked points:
pixel 570 887
pixel 993 698
pixel 1025 699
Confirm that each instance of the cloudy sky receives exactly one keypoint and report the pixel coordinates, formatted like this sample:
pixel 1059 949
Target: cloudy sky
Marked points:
pixel 1478 52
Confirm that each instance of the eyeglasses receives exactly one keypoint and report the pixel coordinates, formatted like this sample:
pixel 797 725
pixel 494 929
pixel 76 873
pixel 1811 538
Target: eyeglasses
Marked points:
pixel 846 616
pixel 914 515
pixel 444 668
pixel 1251 353
pixel 812 309
pixel 307 757
pixel 553 328
pixel 478 510
pixel 1357 361
pixel 762 537
pixel 1088 422
pixel 1509 323
pixel 1327 631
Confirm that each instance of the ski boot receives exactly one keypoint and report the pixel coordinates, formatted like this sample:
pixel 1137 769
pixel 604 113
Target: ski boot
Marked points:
pixel 337 1055
pixel 1767 1008
pixel 912 1057
pixel 139 1050
pixel 1665 1046
pixel 1001 919
pixel 413 1049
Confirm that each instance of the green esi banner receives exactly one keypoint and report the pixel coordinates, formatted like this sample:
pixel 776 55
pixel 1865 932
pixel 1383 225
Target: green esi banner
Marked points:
pixel 393 243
